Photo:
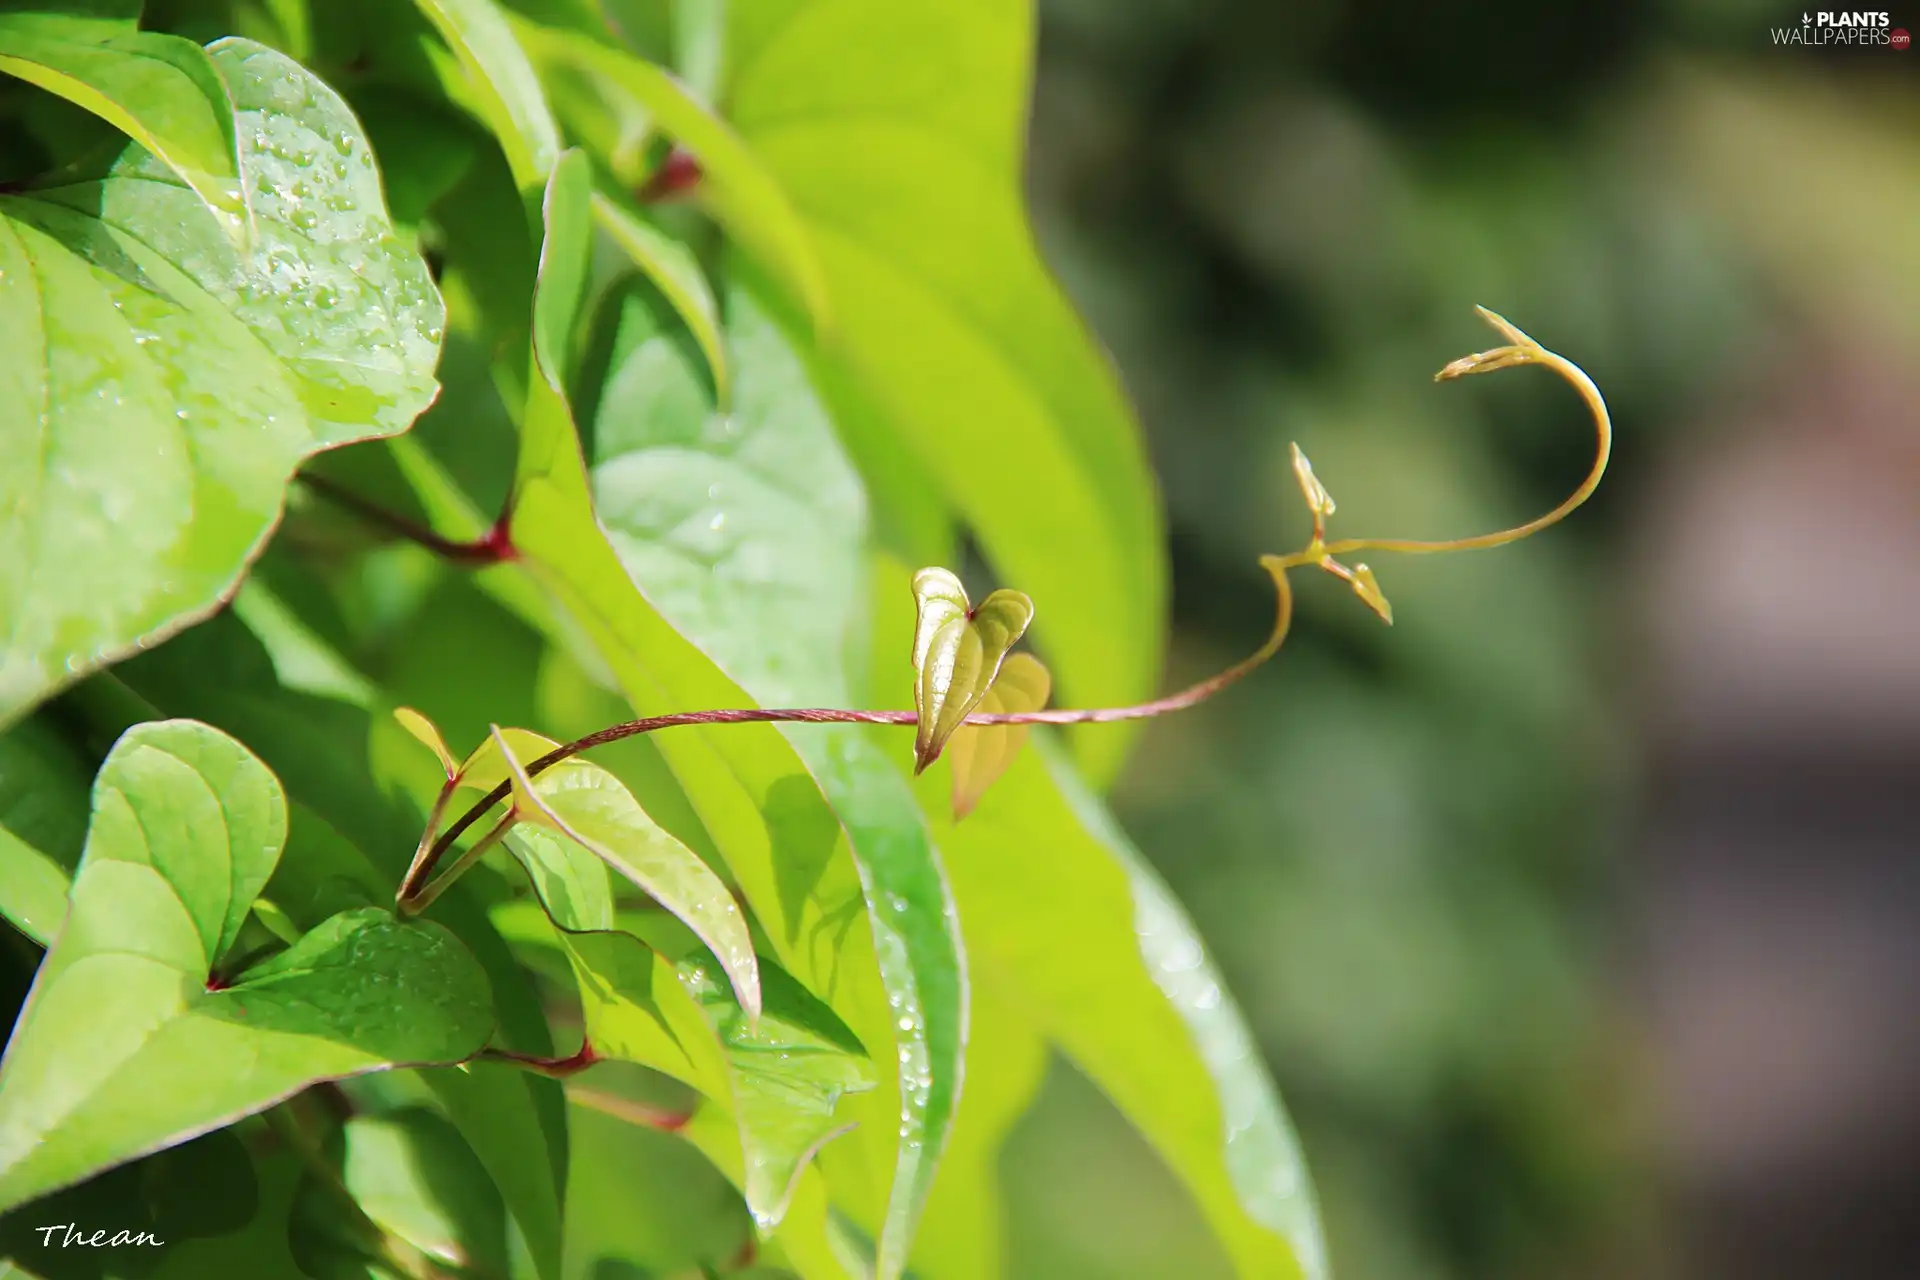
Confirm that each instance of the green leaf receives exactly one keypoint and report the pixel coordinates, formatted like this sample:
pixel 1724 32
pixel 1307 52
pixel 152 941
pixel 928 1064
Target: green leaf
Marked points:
pixel 157 387
pixel 415 1178
pixel 957 652
pixel 349 843
pixel 507 94
pixel 743 525
pixel 962 1234
pixel 745 782
pixel 43 825
pixel 159 90
pixel 591 807
pixel 122 1049
pixel 978 754
pixel 673 270
pixel 734 185
pixel 1155 1029
pixel 745 530
pixel 659 999
pixel 896 132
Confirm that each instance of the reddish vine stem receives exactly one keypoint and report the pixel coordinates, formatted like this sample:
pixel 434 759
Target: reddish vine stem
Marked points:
pixel 1179 701
pixel 490 548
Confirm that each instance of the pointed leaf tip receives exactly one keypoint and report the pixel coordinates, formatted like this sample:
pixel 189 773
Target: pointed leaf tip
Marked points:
pixel 1368 589
pixel 1319 501
pixel 957 652
pixel 428 734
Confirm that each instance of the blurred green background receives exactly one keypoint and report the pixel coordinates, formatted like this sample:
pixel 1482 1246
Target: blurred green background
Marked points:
pixel 1575 912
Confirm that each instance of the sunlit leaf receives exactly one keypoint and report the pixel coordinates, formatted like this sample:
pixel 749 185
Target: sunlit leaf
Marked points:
pixel 589 806
pixel 349 843
pixel 507 94
pixel 765 493
pixel 673 269
pixel 160 90
pixel 978 754
pixel 123 1049
pixel 897 132
pixel 428 734
pixel 1157 1032
pixel 957 652
pixel 158 386
pixel 734 184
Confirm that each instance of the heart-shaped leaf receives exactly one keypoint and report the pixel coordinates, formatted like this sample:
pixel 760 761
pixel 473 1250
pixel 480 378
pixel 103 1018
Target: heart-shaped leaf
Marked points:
pixel 979 754
pixel 591 807
pixel 159 385
pixel 127 1044
pixel 957 652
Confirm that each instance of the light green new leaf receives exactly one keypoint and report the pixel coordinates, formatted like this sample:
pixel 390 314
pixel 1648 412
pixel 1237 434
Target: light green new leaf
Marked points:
pixel 506 91
pixel 978 754
pixel 746 530
pixel 734 185
pixel 43 825
pixel 122 1049
pixel 591 807
pixel 160 90
pixel 158 386
pixel 957 652
pixel 895 130
pixel 1094 950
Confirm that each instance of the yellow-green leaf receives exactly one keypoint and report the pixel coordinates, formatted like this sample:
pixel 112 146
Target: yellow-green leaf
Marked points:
pixel 957 652
pixel 980 753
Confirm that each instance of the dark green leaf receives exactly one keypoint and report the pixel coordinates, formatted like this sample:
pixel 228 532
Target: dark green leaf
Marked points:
pixel 43 825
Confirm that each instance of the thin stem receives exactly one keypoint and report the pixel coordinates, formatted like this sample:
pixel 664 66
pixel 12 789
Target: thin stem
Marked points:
pixel 1187 697
pixel 411 903
pixel 490 548
pixel 554 1068
pixel 1523 351
pixel 1318 553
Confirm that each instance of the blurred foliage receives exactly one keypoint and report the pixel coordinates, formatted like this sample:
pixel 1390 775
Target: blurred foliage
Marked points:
pixel 1403 845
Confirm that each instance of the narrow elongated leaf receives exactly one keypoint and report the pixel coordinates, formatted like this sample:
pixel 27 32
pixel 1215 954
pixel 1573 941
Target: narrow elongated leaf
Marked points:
pixel 158 386
pixel 734 184
pixel 160 90
pixel 896 132
pixel 1156 1031
pixel 123 1049
pixel 589 806
pixel 415 1178
pixel 746 529
pixel 957 652
pixel 507 94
